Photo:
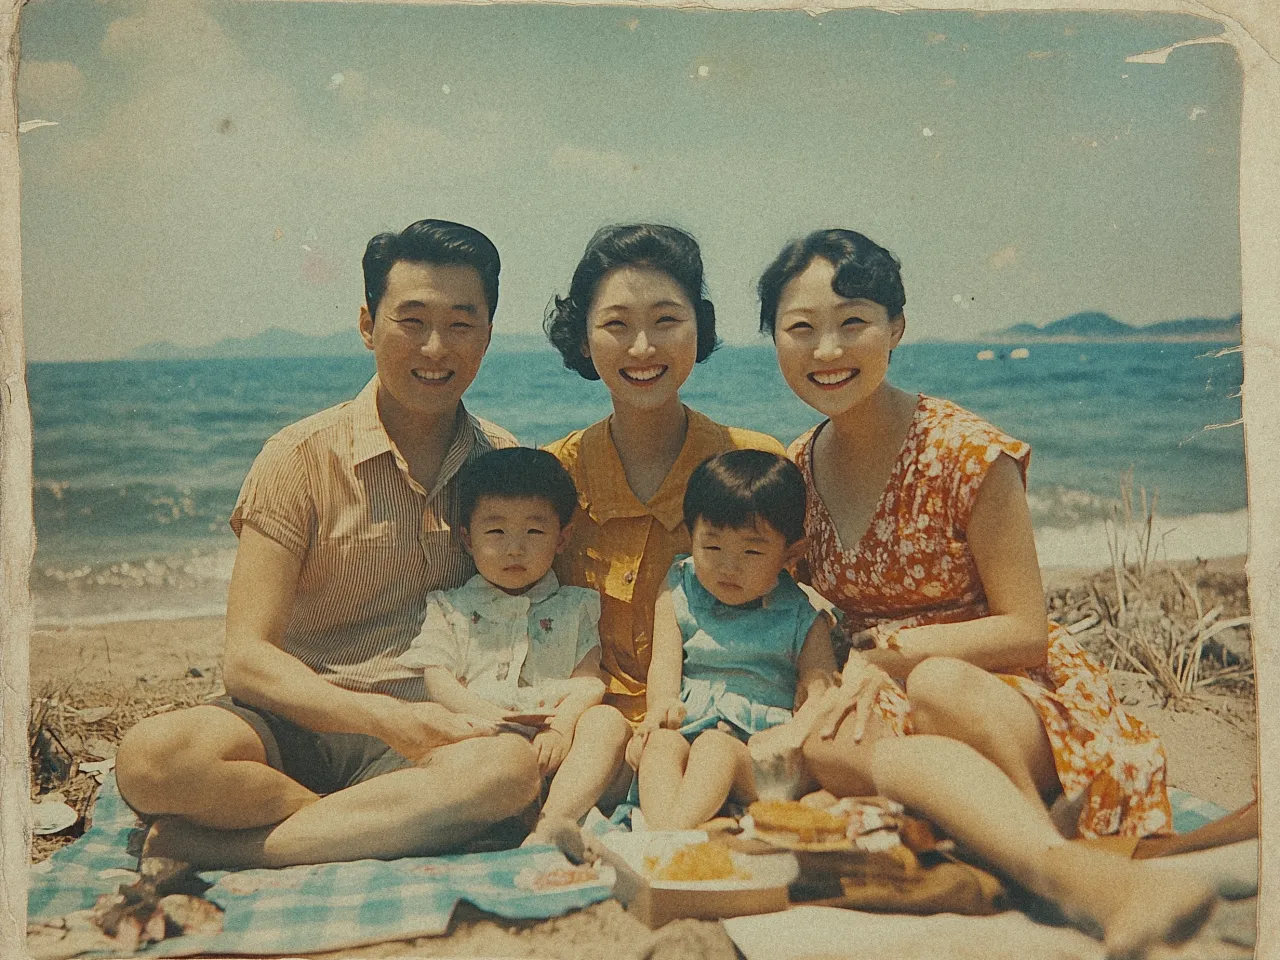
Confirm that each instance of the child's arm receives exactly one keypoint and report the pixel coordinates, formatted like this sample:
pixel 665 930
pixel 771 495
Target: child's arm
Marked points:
pixel 662 695
pixel 582 691
pixel 816 664
pixel 445 689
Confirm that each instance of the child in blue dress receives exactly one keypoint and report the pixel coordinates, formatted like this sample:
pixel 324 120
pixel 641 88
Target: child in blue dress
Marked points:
pixel 737 645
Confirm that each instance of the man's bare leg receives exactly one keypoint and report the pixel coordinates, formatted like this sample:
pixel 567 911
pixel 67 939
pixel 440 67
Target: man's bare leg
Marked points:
pixel 461 790
pixel 207 765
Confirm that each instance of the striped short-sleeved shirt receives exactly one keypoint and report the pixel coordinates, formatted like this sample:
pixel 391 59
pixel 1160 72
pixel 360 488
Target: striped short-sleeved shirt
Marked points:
pixel 335 491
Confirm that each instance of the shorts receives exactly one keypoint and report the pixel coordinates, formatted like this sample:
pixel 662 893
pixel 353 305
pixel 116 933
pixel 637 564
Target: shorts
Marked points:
pixel 322 762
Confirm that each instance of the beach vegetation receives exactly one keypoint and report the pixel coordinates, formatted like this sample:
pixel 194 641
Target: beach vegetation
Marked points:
pixel 1182 628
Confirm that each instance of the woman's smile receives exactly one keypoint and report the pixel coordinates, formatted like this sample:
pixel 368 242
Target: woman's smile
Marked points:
pixel 830 379
pixel 643 375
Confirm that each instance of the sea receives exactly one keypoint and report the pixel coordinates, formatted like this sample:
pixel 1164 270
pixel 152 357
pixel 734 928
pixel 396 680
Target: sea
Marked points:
pixel 137 464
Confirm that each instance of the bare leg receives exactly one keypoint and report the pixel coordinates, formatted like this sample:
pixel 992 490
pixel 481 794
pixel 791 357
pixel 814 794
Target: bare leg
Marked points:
pixel 207 765
pixel 841 765
pixel 661 770
pixel 1232 869
pixel 463 788
pixel 955 699
pixel 683 786
pixel 980 807
pixel 591 765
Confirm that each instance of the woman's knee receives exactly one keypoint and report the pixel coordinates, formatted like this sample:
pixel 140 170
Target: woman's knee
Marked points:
pixel 943 688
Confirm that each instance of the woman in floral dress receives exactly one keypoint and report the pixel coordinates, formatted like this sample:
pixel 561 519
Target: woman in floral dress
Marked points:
pixel 919 532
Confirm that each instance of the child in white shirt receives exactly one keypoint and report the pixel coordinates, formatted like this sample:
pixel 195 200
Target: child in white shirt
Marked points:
pixel 512 644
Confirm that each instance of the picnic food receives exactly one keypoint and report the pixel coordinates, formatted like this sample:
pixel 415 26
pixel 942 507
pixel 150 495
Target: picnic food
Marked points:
pixel 805 823
pixel 557 878
pixel 696 861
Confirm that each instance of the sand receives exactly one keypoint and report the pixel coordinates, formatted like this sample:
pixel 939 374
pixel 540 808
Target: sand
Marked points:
pixel 151 666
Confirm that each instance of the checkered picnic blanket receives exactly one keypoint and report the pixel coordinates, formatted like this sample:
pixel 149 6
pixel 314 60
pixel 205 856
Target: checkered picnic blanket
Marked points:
pixel 339 905
pixel 312 908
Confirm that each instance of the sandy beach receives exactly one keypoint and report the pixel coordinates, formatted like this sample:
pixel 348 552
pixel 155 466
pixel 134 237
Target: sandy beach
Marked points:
pixel 149 666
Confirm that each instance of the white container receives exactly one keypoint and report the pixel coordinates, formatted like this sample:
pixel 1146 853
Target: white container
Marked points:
pixel 655 902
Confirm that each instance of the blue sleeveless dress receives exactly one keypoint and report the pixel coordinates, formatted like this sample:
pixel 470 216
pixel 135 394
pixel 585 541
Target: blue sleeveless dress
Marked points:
pixel 739 661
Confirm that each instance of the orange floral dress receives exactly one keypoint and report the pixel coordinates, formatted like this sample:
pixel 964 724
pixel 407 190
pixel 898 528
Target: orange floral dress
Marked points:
pixel 913 566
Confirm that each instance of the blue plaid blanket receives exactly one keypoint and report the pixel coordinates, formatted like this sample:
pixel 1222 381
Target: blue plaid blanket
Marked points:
pixel 335 906
pixel 313 908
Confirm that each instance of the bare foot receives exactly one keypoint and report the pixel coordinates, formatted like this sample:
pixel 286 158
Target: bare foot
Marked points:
pixel 203 847
pixel 559 832
pixel 1134 907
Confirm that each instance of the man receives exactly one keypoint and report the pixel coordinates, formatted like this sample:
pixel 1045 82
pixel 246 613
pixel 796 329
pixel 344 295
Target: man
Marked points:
pixel 323 749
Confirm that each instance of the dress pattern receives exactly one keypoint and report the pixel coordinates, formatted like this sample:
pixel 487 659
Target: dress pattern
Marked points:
pixel 913 566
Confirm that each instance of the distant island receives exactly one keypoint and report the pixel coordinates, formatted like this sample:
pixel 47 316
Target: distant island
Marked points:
pixel 1096 327
pixel 1091 327
pixel 275 342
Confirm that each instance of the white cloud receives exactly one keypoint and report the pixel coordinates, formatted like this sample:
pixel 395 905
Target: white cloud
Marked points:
pixel 49 86
pixel 1004 257
pixel 605 164
pixel 167 32
pixel 350 86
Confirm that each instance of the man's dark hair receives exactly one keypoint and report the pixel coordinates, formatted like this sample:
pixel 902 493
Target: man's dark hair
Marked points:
pixel 658 247
pixel 431 241
pixel 864 271
pixel 739 488
pixel 520 472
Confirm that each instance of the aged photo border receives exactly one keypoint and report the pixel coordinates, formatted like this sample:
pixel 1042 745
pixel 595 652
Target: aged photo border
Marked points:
pixel 1252 27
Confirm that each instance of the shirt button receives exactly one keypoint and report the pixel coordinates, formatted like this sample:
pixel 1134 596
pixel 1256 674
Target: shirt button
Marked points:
pixel 628 577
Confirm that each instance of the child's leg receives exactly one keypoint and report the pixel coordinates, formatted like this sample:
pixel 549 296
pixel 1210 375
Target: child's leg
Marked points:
pixel 589 768
pixel 661 771
pixel 719 767
pixel 716 766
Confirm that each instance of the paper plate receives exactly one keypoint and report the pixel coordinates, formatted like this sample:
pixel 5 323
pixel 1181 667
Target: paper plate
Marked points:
pixel 51 816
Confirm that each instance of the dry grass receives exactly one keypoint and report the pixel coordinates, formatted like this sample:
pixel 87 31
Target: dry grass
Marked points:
pixel 1183 630
pixel 74 722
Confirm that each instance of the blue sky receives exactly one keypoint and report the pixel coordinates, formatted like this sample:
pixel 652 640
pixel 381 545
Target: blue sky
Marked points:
pixel 217 168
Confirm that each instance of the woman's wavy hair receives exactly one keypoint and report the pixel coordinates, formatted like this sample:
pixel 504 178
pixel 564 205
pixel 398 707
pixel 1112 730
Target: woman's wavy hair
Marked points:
pixel 864 271
pixel 651 245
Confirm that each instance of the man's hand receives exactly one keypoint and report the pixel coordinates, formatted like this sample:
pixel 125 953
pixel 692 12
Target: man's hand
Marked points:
pixel 416 729
pixel 551 747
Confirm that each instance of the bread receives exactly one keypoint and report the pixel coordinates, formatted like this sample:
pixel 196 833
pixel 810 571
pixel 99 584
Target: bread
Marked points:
pixel 805 823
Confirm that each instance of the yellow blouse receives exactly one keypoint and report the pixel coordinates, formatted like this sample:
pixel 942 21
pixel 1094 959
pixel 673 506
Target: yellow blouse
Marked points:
pixel 623 548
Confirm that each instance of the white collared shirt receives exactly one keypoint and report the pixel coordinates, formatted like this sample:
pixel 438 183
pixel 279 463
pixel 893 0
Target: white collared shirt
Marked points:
pixel 511 650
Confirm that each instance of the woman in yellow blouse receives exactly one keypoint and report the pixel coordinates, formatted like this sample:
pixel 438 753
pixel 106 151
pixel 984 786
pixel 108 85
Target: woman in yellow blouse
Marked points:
pixel 635 318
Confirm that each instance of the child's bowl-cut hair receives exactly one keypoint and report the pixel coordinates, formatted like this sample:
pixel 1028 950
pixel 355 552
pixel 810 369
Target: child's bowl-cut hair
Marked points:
pixel 739 488
pixel 518 472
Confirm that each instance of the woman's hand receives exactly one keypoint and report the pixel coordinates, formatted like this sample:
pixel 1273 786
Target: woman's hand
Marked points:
pixel 882 646
pixel 860 683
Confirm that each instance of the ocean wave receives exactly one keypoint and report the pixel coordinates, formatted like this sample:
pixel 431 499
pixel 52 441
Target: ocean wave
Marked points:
pixel 1199 536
